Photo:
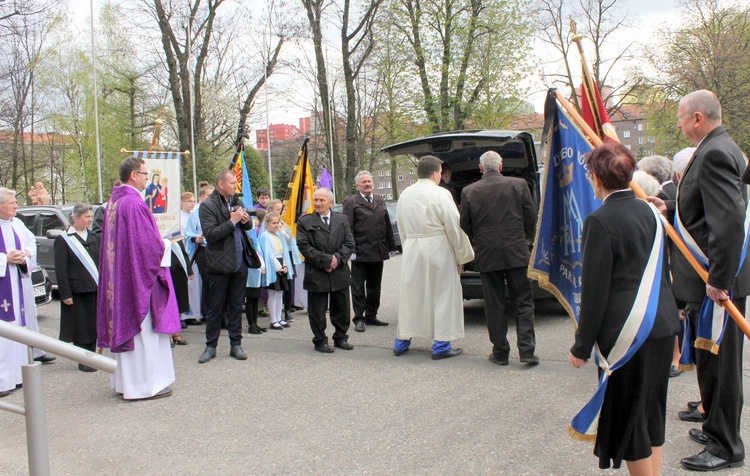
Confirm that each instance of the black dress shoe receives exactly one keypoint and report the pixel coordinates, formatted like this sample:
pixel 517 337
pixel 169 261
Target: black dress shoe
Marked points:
pixel 692 415
pixel 344 345
pixel 359 326
pixel 674 371
pixel 375 322
pixel 400 352
pixel 207 355
pixel 448 354
pixel 86 368
pixel 192 322
pixel 497 360
pixel 237 352
pixel 254 330
pixel 46 358
pixel 698 436
pixel 693 405
pixel 705 461
pixel 325 348
pixel 530 360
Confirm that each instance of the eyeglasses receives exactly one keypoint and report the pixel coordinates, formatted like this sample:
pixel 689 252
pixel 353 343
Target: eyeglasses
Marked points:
pixel 142 173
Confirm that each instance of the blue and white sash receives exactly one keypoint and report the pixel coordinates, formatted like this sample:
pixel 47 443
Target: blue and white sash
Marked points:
pixel 712 318
pixel 634 333
pixel 83 256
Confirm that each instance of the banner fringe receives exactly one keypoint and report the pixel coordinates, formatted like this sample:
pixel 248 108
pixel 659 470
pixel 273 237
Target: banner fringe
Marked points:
pixel 686 367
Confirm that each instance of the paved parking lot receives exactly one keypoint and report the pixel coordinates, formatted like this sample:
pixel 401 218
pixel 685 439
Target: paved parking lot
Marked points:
pixel 290 410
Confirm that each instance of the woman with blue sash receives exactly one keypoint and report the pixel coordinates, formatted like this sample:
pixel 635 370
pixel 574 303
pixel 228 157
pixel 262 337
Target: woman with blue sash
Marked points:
pixel 76 264
pixel 628 317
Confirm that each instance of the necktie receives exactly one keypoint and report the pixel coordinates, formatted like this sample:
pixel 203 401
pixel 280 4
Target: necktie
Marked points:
pixel 369 199
pixel 325 220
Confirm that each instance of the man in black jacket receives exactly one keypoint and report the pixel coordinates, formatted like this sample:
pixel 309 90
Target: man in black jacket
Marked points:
pixel 229 253
pixel 371 228
pixel 711 205
pixel 497 213
pixel 324 239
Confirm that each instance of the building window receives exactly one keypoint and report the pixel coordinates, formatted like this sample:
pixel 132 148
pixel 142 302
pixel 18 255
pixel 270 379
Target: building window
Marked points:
pixel 628 146
pixel 652 140
pixel 626 134
pixel 388 173
pixel 640 140
pixel 389 196
pixel 412 171
pixel 640 127
pixel 412 182
pixel 400 178
pixel 381 173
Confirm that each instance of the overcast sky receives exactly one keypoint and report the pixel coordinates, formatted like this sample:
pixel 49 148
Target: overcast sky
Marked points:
pixel 649 14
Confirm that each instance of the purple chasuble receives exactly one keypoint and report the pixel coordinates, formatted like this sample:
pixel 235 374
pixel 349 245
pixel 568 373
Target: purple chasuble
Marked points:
pixel 131 279
pixel 7 310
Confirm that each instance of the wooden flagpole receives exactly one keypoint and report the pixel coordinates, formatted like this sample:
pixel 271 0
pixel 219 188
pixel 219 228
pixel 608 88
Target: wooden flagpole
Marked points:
pixel 596 141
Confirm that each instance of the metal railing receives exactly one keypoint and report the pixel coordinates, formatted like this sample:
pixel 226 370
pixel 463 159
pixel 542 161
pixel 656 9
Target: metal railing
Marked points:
pixel 33 388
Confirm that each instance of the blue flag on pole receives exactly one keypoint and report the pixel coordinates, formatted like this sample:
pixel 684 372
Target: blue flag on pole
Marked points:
pixel 567 199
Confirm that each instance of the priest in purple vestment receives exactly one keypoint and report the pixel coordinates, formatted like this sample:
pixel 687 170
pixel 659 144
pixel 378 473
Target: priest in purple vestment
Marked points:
pixel 137 309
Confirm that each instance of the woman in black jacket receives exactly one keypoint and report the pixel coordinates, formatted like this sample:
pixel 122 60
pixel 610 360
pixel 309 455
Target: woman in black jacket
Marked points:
pixel 620 240
pixel 76 264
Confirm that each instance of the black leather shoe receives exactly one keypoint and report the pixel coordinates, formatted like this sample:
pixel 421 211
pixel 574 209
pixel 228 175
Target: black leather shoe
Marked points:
pixel 497 360
pixel 376 322
pixel 692 415
pixel 359 326
pixel 254 330
pixel 530 360
pixel 344 345
pixel 46 358
pixel 674 372
pixel 193 322
pixel 693 405
pixel 705 461
pixel 448 354
pixel 698 436
pixel 86 368
pixel 325 348
pixel 238 353
pixel 207 355
pixel 400 352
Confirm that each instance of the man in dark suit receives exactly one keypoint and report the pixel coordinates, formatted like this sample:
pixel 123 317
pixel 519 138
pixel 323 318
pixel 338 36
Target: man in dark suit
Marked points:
pixel 373 237
pixel 324 239
pixel 497 213
pixel 228 255
pixel 711 207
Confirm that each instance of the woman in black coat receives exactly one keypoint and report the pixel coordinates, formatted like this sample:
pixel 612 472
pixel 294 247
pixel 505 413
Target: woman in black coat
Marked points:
pixel 76 265
pixel 618 241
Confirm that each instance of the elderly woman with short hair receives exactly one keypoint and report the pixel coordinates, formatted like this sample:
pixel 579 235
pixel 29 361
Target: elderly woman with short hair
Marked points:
pixel 77 268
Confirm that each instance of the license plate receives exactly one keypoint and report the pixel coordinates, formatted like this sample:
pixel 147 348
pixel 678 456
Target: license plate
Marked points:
pixel 39 291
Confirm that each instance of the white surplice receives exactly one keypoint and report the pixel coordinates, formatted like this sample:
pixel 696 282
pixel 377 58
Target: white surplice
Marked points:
pixel 431 301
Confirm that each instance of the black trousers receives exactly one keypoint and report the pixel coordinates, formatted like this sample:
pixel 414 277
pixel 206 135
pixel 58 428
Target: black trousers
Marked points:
pixel 720 384
pixel 317 303
pixel 252 297
pixel 226 292
pixel 493 285
pixel 366 280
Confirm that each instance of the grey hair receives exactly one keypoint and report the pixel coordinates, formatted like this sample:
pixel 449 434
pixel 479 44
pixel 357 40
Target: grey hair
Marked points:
pixel 658 166
pixel 80 209
pixel 359 174
pixel 330 194
pixel 681 159
pixel 647 182
pixel 703 101
pixel 490 160
pixel 4 192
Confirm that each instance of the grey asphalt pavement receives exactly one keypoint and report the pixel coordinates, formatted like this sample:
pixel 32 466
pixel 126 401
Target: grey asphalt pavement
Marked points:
pixel 290 410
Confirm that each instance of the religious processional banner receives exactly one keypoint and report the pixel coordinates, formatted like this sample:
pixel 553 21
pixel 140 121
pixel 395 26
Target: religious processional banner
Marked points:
pixel 243 189
pixel 567 199
pixel 299 192
pixel 162 194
